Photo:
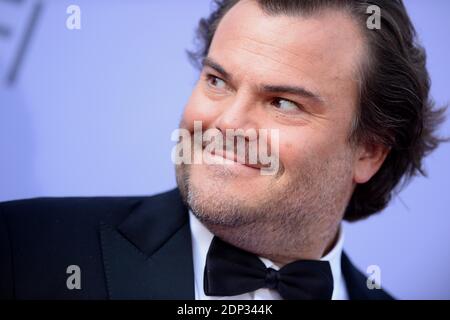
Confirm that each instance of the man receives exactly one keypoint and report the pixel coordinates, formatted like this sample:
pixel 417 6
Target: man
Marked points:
pixel 351 110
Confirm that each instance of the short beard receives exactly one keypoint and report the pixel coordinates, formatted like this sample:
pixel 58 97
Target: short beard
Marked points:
pixel 229 213
pixel 302 217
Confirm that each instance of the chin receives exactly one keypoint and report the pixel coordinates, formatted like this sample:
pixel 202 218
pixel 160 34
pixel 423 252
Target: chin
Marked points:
pixel 226 189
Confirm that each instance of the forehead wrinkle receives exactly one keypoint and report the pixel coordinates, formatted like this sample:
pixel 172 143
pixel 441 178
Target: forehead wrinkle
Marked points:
pixel 269 57
pixel 273 35
pixel 301 71
pixel 306 57
pixel 268 44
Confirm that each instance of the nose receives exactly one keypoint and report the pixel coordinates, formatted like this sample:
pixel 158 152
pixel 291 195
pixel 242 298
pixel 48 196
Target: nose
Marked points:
pixel 237 113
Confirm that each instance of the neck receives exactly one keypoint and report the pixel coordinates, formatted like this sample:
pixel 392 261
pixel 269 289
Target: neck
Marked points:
pixel 302 248
pixel 315 254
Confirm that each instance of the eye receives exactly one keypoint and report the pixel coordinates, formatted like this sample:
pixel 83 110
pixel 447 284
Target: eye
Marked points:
pixel 285 105
pixel 215 82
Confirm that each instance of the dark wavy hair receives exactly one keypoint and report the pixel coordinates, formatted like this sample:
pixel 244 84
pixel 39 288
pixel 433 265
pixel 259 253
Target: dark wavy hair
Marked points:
pixel 395 109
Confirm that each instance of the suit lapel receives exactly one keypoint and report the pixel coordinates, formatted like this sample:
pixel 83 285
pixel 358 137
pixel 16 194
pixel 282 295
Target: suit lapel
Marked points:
pixel 356 283
pixel 149 255
pixel 354 280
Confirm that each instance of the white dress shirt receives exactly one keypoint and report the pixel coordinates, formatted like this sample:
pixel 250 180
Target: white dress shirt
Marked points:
pixel 201 240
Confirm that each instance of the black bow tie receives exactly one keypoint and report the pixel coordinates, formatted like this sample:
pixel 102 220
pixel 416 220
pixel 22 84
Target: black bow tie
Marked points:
pixel 231 271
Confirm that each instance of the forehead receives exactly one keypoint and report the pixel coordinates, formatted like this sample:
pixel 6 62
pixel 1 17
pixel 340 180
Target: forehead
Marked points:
pixel 319 48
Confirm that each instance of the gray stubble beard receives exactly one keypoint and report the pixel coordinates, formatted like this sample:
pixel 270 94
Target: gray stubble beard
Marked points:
pixel 300 218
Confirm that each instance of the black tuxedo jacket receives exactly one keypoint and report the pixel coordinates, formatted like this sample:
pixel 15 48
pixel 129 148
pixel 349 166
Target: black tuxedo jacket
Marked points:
pixel 125 247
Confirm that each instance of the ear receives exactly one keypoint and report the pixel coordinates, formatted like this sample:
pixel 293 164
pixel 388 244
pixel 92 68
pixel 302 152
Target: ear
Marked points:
pixel 369 158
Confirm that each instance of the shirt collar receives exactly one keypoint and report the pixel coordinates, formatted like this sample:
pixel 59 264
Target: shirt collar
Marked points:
pixel 202 238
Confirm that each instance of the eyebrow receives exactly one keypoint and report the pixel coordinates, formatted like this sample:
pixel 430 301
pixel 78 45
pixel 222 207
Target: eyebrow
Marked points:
pixel 208 62
pixel 294 90
pixel 286 89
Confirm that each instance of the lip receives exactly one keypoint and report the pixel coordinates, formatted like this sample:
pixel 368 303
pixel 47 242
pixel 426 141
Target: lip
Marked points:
pixel 232 157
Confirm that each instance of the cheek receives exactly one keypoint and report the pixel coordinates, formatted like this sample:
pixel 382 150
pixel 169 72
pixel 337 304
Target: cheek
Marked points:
pixel 293 151
pixel 302 147
pixel 198 108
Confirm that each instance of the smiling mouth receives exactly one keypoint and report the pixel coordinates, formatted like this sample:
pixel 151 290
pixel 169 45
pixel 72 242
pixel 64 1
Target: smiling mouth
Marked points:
pixel 232 158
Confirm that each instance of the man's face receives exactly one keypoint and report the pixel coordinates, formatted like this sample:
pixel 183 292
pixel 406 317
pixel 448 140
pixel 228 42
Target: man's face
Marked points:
pixel 297 75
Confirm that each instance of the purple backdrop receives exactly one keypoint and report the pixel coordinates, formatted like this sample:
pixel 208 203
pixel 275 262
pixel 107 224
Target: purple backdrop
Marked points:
pixel 90 112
